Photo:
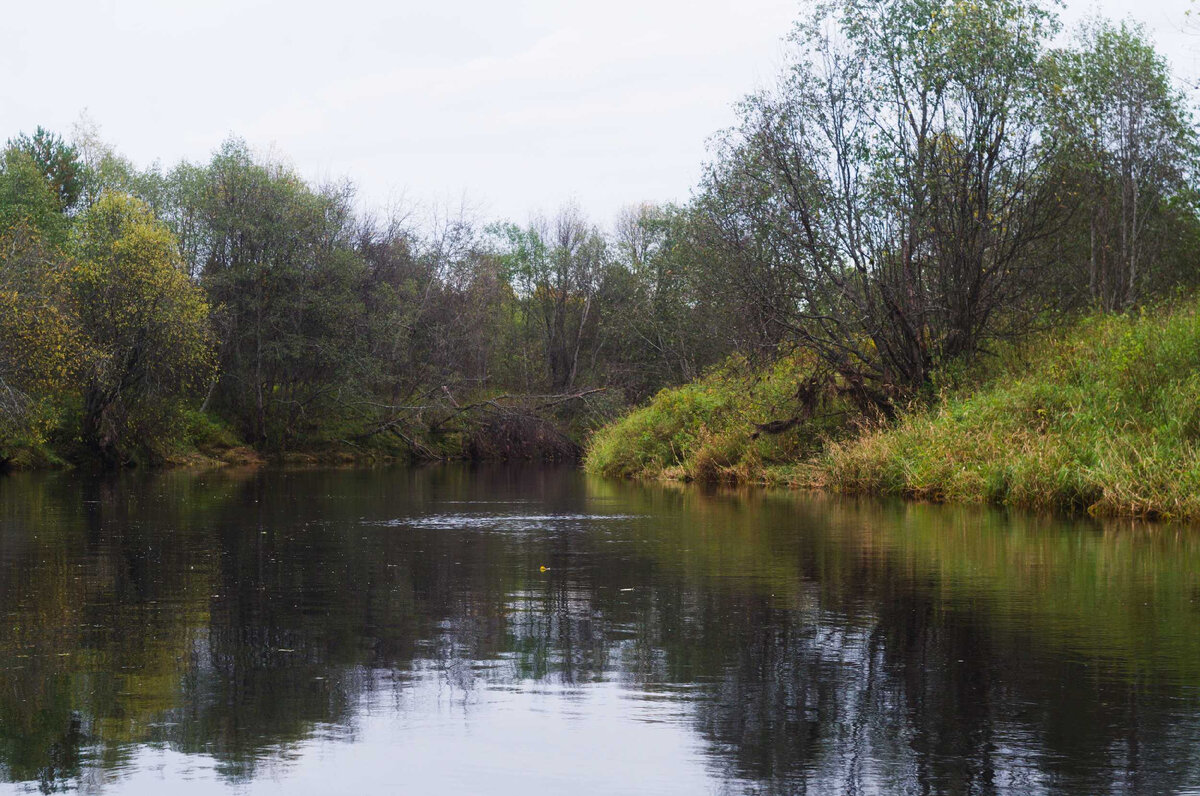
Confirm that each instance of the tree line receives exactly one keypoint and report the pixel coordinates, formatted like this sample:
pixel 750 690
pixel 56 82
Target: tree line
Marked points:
pixel 135 300
pixel 925 181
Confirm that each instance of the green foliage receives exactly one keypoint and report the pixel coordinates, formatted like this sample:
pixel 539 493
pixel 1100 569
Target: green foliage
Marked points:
pixel 39 343
pixel 927 182
pixel 676 313
pixel 275 261
pixel 145 328
pixel 1104 417
pixel 28 199
pixel 56 161
pixel 207 434
pixel 557 269
pixel 883 202
pixel 1127 159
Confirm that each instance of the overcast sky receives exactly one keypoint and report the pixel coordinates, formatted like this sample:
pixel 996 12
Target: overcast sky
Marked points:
pixel 517 105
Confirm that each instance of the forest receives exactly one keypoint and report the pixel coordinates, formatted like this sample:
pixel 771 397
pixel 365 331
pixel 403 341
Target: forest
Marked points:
pixel 931 200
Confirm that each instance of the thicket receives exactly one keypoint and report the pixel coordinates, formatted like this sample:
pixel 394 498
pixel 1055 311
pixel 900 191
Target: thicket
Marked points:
pixel 739 422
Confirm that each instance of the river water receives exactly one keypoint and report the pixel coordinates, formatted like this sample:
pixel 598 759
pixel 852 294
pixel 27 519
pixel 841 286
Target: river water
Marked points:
pixel 517 630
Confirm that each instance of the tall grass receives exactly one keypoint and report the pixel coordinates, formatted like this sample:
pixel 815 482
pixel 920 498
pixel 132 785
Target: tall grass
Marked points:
pixel 1103 417
pixel 708 430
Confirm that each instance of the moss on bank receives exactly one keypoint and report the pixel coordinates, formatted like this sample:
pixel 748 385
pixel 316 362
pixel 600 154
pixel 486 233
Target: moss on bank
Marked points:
pixel 1103 417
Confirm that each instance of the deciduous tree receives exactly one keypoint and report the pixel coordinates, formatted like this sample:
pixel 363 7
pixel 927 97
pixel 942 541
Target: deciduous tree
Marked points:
pixel 144 325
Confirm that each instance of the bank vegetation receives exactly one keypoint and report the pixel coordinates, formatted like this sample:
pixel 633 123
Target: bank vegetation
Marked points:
pixel 971 236
pixel 946 254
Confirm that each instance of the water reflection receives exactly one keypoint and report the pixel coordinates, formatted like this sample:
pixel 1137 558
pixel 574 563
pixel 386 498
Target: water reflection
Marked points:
pixel 513 630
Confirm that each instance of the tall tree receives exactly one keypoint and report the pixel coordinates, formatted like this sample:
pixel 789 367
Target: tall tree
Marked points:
pixel 279 267
pixel 883 201
pixel 39 344
pixel 671 313
pixel 556 267
pixel 144 323
pixel 1130 150
pixel 28 199
pixel 57 161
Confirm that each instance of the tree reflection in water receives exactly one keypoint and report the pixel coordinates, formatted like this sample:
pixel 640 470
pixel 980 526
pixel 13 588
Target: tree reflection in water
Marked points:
pixel 812 644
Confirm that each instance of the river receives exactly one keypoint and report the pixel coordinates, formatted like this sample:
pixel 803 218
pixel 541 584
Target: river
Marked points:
pixel 522 630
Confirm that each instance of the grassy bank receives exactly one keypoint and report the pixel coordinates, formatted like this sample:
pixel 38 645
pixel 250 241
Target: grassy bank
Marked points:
pixel 1103 417
pixel 713 429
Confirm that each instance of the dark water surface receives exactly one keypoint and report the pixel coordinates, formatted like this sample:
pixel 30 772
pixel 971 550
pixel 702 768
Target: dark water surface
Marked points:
pixel 394 632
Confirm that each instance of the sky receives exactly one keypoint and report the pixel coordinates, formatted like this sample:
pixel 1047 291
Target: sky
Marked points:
pixel 511 107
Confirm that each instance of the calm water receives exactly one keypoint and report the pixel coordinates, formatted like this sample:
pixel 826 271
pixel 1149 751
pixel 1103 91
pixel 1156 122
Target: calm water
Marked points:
pixel 395 632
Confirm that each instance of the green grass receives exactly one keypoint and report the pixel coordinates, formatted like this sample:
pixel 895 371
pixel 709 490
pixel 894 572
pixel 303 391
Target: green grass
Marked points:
pixel 1103 417
pixel 706 430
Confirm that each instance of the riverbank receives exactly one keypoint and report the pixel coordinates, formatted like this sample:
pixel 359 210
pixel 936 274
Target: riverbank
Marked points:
pixel 1102 418
pixel 201 440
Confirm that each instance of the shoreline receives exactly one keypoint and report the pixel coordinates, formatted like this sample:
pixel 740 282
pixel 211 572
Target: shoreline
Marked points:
pixel 1100 419
pixel 806 477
